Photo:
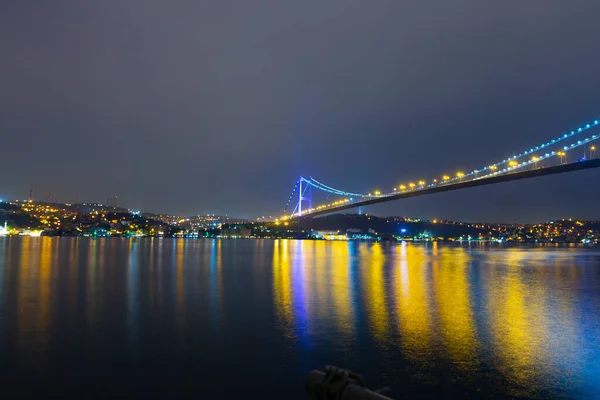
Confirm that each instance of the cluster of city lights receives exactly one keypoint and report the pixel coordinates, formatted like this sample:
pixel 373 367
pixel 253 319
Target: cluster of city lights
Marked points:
pixel 508 165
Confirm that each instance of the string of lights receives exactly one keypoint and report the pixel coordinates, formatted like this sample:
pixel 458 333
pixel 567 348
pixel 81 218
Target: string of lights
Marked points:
pixel 505 166
pixel 544 145
pixel 492 167
pixel 329 189
pixel 291 196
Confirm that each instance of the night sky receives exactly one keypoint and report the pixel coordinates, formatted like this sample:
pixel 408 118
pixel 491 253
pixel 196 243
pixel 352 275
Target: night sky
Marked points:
pixel 194 107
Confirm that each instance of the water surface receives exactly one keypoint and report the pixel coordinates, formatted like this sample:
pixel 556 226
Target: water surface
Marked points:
pixel 248 318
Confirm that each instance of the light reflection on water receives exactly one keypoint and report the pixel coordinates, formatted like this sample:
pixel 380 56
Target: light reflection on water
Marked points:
pixel 423 319
pixel 469 313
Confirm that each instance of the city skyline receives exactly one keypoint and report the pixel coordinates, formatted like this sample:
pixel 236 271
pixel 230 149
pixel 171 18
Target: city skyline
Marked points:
pixel 156 104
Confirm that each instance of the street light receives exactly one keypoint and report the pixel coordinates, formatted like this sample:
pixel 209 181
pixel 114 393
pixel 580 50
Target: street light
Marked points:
pixel 561 154
pixel 412 185
pixel 421 183
pixel 402 187
pixel 459 175
pixel 513 163
pixel 446 178
pixel 535 160
pixel 592 151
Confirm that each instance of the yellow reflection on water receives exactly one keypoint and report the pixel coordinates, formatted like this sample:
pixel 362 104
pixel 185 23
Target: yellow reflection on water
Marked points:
pixel 72 281
pixel 44 284
pixel 33 299
pixel 133 276
pixel 434 292
pixel 413 301
pixel 518 322
pixel 340 288
pixel 179 256
pixel 372 259
pixel 454 308
pixel 282 290
pixel 180 317
pixel 314 259
pixel 312 286
pixel 92 284
pixel 25 300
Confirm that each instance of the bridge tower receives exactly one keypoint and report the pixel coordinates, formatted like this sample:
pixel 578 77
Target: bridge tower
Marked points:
pixel 301 195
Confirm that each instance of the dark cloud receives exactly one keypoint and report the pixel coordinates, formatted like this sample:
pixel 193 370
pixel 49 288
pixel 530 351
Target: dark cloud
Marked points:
pixel 218 106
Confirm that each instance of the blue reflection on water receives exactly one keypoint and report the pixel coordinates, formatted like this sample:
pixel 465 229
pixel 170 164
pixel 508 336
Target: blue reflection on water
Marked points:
pixel 300 306
pixel 215 281
pixel 133 298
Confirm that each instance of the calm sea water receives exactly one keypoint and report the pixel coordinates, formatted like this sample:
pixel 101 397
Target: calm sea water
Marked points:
pixel 248 318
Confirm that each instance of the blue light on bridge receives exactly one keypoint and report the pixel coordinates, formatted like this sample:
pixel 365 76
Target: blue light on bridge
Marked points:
pixel 495 167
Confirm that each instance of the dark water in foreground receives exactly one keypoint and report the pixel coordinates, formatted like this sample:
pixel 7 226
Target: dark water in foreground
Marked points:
pixel 248 318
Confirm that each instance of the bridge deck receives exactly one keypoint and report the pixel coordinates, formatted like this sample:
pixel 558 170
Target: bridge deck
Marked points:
pixel 507 177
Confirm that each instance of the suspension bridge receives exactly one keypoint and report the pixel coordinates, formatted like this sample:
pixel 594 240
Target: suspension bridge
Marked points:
pixel 571 151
